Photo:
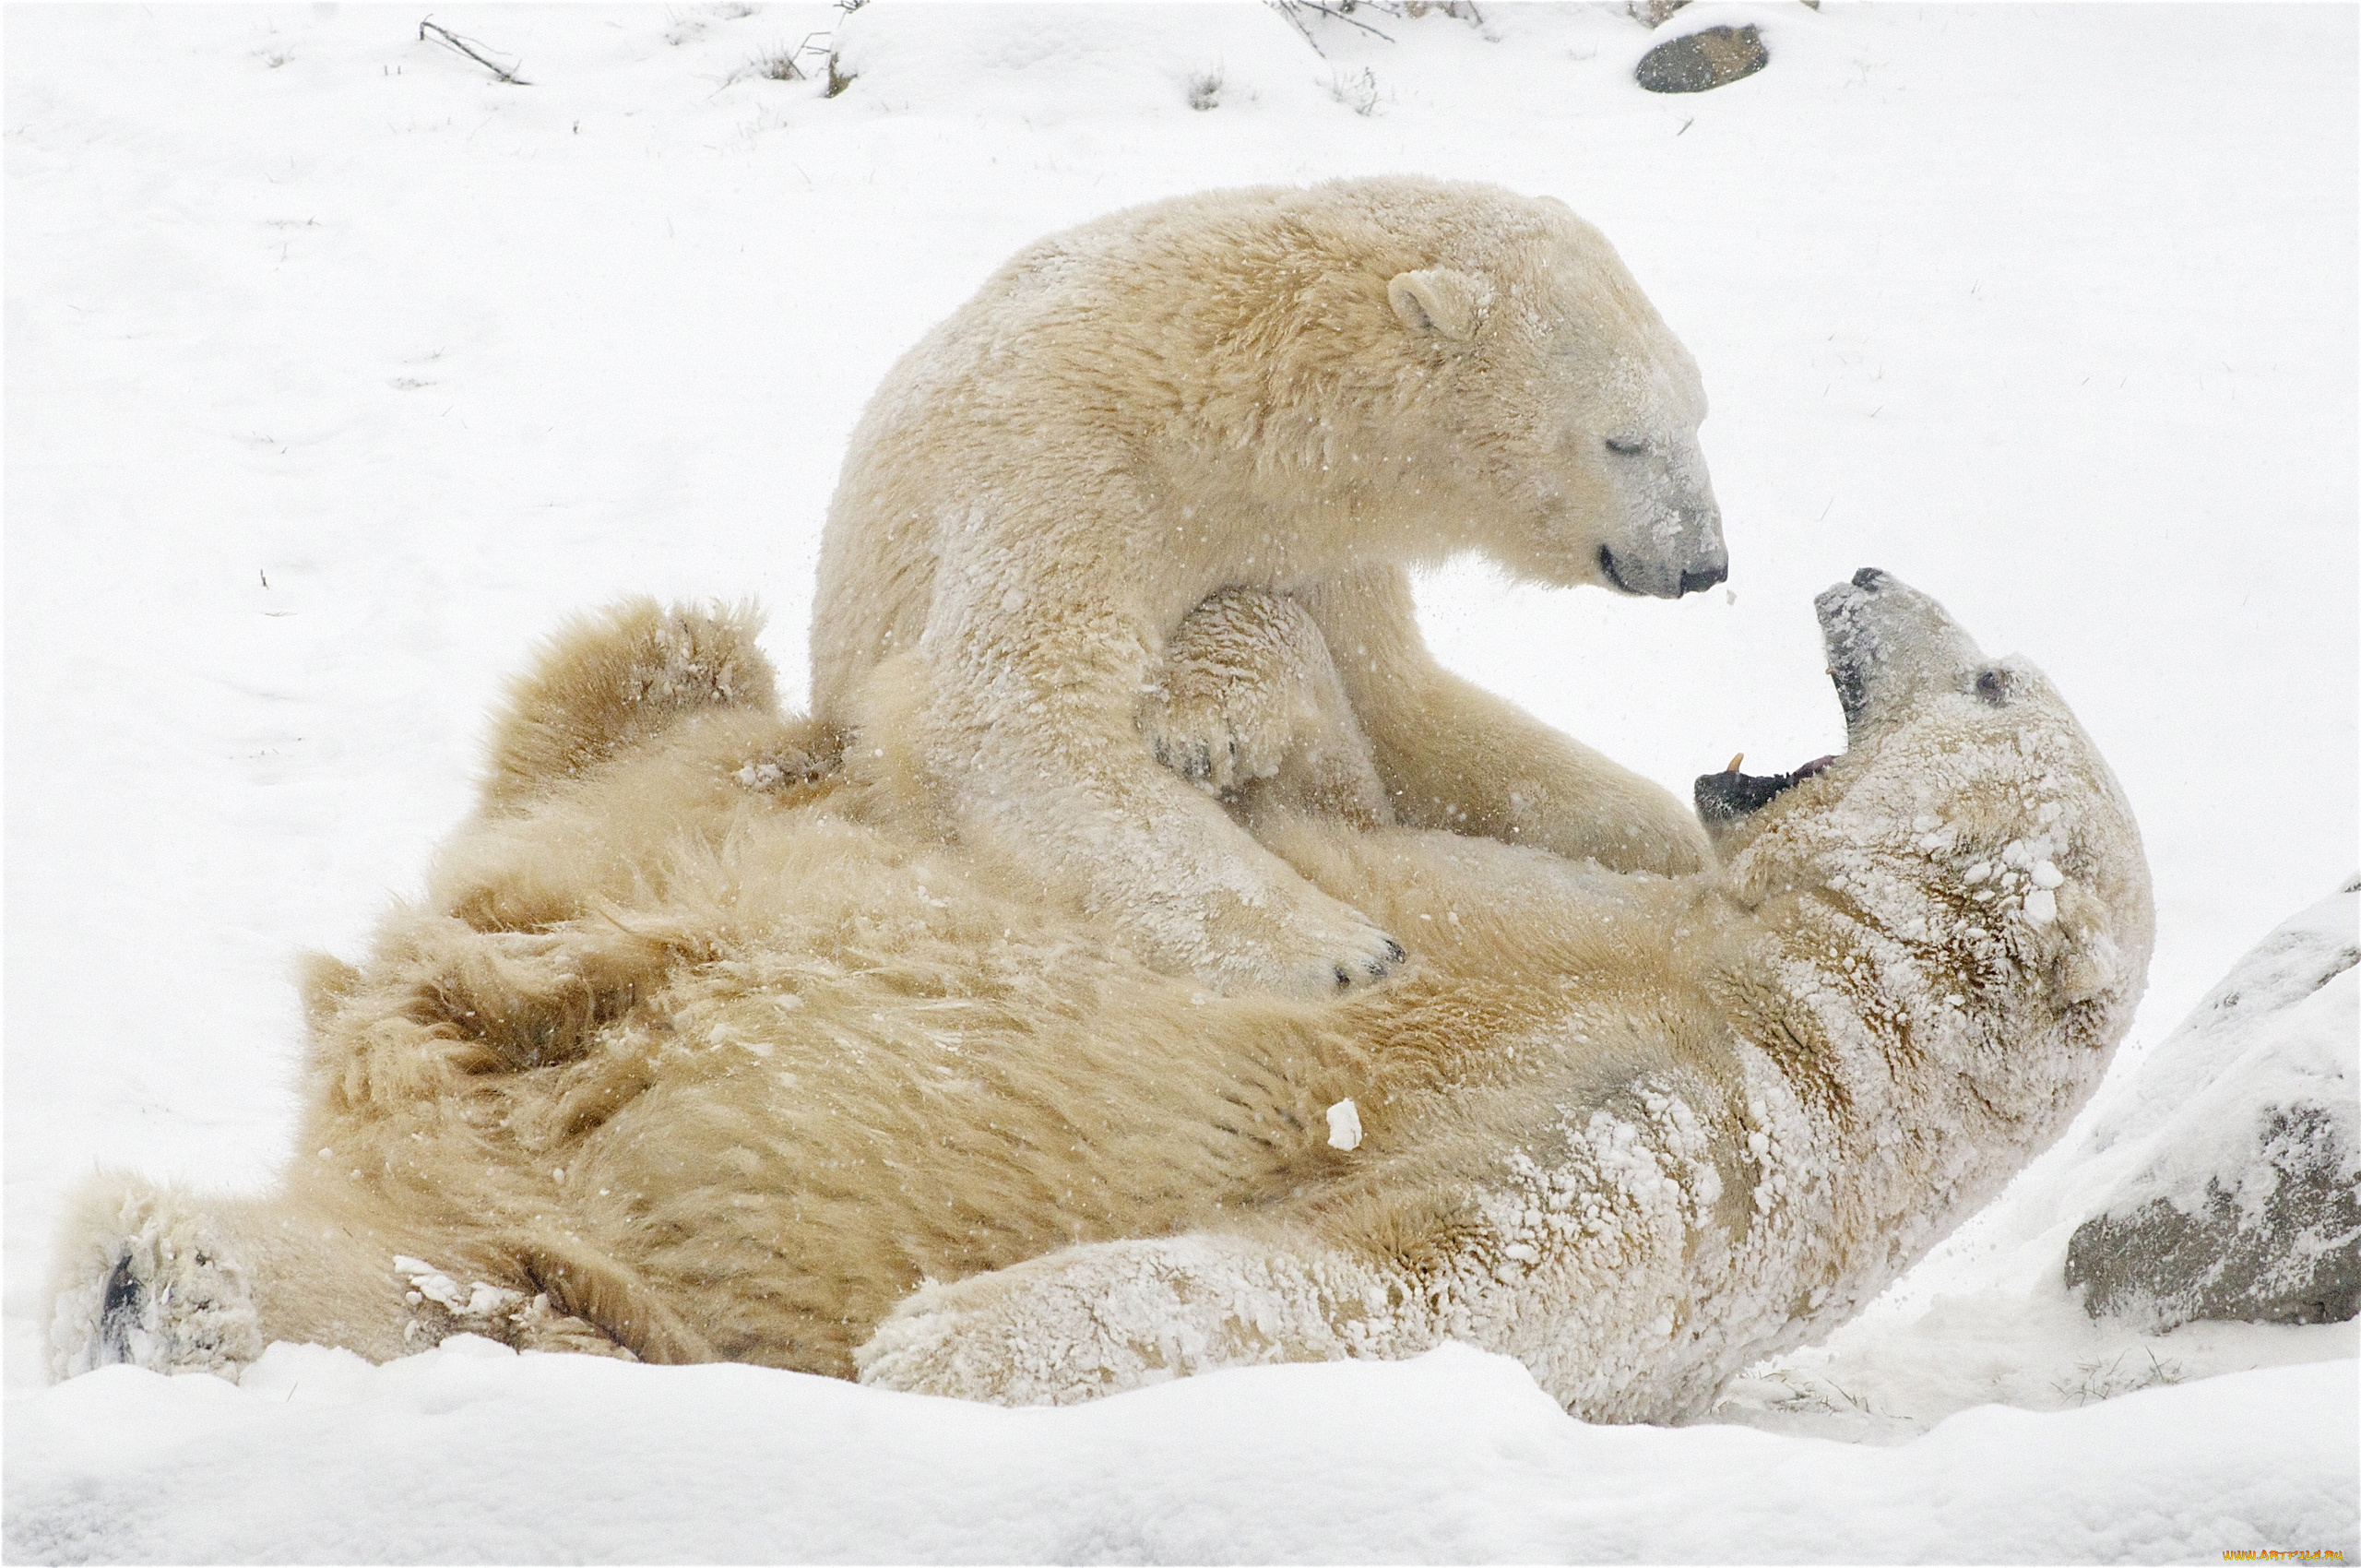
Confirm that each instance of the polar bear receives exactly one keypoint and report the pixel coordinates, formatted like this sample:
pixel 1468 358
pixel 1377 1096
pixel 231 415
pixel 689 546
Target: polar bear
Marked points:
pixel 1304 391
pixel 706 1045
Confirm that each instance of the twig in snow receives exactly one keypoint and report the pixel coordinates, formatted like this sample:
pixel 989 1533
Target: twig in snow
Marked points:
pixel 1293 10
pixel 1284 9
pixel 452 40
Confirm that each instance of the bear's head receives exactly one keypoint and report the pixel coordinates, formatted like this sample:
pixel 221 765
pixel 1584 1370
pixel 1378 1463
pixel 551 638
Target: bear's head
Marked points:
pixel 1568 406
pixel 1970 836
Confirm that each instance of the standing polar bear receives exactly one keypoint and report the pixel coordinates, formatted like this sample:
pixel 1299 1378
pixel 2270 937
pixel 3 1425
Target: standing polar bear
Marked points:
pixel 1304 391
pixel 702 1049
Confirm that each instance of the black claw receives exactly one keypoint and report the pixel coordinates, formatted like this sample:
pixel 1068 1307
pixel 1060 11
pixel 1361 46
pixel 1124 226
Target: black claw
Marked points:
pixel 1395 951
pixel 122 1288
pixel 119 1313
pixel 1343 979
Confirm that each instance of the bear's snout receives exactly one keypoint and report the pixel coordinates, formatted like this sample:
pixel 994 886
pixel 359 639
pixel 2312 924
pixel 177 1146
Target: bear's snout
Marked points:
pixel 1887 641
pixel 1671 573
pixel 1708 570
pixel 1709 558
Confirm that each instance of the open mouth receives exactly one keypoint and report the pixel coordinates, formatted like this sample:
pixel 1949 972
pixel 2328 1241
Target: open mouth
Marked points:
pixel 1851 641
pixel 1729 796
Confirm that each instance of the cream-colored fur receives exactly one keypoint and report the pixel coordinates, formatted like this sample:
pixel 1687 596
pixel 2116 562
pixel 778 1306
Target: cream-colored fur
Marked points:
pixel 1298 390
pixel 710 1048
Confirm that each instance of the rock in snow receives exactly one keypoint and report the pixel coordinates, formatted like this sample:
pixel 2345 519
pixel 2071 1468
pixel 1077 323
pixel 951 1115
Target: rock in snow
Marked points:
pixel 2248 1207
pixel 1699 62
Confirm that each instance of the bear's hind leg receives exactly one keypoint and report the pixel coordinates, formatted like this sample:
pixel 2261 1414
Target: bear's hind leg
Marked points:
pixel 145 1278
pixel 152 1276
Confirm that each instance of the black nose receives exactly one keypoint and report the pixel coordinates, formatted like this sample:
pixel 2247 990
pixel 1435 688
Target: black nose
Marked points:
pixel 1699 581
pixel 1868 578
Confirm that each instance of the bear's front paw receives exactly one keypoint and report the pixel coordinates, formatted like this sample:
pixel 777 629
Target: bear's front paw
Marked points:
pixel 1219 744
pixel 1361 957
pixel 1309 944
pixel 1247 683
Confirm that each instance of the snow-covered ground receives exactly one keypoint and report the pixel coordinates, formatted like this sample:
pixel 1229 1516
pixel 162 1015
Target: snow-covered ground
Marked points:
pixel 337 372
pixel 473 1453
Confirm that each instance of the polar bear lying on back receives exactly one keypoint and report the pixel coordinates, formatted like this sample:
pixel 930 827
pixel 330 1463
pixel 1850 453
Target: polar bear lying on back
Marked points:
pixel 1300 390
pixel 703 1049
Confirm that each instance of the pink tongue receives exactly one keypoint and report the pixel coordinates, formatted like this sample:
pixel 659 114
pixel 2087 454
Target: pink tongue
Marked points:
pixel 1815 766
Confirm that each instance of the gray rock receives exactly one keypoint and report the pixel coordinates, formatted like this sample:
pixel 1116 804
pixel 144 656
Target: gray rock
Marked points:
pixel 2249 1208
pixel 2297 1261
pixel 1698 62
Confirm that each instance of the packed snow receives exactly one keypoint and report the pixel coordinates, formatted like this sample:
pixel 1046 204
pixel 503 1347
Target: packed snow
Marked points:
pixel 340 370
pixel 1344 1125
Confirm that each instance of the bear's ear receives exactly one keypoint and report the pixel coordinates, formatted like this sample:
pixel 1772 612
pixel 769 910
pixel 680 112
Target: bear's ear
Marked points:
pixel 1441 300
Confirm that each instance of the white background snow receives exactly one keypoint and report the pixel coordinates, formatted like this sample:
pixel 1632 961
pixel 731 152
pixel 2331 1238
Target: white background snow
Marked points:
pixel 338 372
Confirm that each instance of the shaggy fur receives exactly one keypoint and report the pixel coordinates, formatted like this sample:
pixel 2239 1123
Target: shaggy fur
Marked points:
pixel 708 1047
pixel 1298 390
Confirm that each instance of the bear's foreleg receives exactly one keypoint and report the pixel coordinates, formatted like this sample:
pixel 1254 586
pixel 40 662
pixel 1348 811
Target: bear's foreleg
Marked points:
pixel 1032 720
pixel 1453 757
pixel 1096 1320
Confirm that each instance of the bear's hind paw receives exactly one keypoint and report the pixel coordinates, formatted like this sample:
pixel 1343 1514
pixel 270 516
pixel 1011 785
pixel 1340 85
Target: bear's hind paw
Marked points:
pixel 153 1288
